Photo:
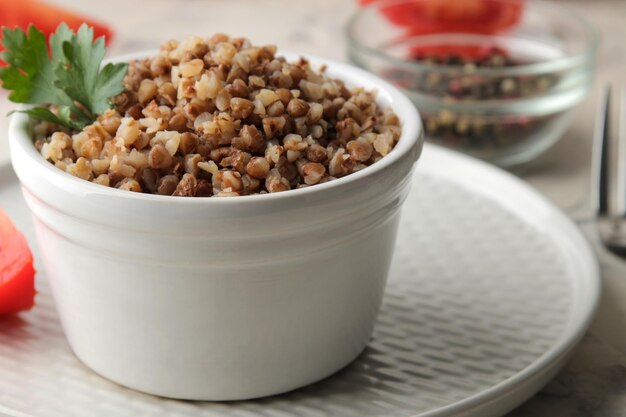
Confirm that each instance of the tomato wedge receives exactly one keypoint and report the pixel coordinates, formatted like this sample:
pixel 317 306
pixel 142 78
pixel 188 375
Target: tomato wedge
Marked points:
pixel 467 16
pixel 424 17
pixel 17 274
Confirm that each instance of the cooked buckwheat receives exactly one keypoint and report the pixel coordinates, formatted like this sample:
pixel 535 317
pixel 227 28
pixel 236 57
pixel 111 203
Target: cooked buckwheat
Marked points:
pixel 222 117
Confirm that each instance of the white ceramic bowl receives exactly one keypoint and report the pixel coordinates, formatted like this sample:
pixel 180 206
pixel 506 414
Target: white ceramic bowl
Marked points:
pixel 220 298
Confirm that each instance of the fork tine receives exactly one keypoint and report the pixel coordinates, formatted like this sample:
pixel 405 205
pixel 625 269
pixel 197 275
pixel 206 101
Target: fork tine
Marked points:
pixel 600 167
pixel 621 157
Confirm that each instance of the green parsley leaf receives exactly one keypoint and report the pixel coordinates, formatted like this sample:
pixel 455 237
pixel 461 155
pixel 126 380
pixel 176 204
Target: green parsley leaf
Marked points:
pixel 69 77
pixel 30 73
pixel 62 34
pixel 82 78
pixel 42 113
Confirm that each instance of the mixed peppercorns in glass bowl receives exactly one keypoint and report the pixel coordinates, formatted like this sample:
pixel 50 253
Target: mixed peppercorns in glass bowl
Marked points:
pixel 493 78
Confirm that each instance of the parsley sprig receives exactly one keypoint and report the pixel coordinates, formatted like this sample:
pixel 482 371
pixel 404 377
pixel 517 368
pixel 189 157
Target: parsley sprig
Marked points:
pixel 69 76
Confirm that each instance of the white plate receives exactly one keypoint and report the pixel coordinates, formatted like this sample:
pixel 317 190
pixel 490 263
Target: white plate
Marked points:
pixel 490 290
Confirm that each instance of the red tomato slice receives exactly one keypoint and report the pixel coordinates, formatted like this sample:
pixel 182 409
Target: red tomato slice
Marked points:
pixel 438 16
pixel 17 274
pixel 424 17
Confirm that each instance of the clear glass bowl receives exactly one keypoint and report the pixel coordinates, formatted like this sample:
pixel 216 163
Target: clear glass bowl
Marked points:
pixel 500 94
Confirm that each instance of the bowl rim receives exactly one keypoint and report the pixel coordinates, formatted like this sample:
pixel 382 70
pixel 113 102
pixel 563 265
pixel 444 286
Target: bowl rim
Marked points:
pixel 559 64
pixel 410 142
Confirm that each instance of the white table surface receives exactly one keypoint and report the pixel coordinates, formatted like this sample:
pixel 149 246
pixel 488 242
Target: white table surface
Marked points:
pixel 594 382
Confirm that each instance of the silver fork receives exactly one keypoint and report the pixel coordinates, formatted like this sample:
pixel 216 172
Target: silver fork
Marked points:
pixel 611 220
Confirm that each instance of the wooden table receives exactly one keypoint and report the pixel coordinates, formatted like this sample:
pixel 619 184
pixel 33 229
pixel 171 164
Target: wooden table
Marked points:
pixel 594 382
